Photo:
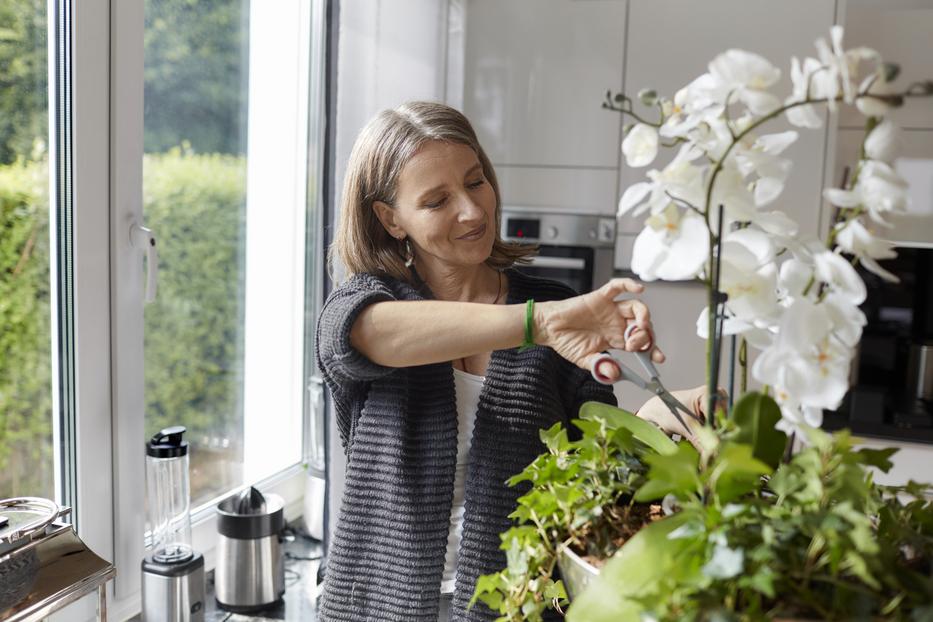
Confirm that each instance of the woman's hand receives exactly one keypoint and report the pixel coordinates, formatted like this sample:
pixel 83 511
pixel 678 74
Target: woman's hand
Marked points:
pixel 581 328
pixel 655 411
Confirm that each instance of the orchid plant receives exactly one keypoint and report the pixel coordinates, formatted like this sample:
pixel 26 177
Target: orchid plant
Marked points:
pixel 734 527
pixel 711 214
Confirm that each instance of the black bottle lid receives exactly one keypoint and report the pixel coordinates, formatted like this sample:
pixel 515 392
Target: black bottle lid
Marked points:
pixel 168 443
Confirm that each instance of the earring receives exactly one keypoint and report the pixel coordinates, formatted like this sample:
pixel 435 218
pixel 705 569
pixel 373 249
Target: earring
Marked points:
pixel 409 253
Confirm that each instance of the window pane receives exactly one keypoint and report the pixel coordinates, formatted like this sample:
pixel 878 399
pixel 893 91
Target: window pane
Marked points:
pixel 208 336
pixel 26 446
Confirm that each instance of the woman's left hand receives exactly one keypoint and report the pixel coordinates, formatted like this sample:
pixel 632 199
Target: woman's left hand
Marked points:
pixel 655 411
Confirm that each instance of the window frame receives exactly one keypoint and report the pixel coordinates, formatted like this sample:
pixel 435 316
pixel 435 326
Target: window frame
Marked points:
pixel 107 147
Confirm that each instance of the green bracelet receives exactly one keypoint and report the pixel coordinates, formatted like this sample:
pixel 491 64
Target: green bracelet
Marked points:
pixel 529 326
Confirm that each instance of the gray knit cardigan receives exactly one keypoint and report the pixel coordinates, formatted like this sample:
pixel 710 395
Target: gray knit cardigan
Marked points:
pixel 399 429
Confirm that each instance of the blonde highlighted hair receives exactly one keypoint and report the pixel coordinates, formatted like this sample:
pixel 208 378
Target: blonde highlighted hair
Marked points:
pixel 380 153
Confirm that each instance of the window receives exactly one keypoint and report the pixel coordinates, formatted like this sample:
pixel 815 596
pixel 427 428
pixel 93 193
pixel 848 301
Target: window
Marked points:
pixel 27 456
pixel 225 154
pixel 221 163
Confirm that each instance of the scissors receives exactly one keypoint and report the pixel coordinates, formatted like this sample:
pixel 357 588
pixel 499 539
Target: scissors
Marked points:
pixel 653 383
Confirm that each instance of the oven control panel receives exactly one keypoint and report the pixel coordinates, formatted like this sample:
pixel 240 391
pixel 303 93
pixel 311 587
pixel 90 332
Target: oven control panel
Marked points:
pixel 554 228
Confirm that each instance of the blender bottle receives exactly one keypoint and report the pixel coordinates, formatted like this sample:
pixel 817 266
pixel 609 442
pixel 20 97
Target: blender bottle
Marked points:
pixel 173 574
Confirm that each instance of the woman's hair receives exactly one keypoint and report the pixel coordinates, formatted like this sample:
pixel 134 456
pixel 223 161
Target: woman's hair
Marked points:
pixel 381 151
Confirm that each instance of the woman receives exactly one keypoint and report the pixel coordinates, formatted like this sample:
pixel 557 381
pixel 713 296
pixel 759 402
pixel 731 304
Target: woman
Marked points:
pixel 436 404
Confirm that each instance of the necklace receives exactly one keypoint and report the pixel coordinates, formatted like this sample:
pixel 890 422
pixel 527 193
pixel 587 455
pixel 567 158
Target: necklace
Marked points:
pixel 495 302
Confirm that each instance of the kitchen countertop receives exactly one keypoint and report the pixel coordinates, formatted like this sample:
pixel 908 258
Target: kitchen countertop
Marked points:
pixel 302 559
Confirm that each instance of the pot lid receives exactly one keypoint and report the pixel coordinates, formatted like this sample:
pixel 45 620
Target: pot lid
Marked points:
pixel 26 518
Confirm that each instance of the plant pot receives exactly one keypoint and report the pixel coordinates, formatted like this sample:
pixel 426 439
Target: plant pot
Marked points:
pixel 576 572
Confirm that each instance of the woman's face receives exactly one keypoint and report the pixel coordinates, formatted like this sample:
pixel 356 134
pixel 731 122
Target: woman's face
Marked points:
pixel 444 205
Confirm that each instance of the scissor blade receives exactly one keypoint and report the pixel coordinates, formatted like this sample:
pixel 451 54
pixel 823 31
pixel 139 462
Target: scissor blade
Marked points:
pixel 645 359
pixel 629 374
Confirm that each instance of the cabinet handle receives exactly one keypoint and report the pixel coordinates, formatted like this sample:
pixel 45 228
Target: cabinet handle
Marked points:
pixel 568 263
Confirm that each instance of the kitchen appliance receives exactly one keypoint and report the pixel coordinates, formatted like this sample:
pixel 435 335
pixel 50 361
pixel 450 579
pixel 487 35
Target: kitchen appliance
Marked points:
pixel 44 565
pixel 575 248
pixel 892 396
pixel 920 372
pixel 173 574
pixel 250 572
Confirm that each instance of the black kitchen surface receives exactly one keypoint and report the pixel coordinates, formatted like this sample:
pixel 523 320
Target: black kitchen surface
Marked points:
pixel 302 559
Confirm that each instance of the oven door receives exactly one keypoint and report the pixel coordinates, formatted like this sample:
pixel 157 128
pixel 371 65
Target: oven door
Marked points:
pixel 572 265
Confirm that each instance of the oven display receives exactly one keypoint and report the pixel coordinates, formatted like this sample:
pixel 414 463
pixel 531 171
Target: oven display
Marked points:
pixel 522 228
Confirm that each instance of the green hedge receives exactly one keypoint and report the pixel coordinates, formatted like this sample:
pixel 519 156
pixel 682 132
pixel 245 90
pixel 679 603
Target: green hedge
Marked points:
pixel 194 339
pixel 25 347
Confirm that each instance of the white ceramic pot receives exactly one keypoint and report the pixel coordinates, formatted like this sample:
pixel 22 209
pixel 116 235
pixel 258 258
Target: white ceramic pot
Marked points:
pixel 576 572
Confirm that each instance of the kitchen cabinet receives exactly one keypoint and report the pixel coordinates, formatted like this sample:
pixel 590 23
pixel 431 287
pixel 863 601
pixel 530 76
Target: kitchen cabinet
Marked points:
pixel 533 77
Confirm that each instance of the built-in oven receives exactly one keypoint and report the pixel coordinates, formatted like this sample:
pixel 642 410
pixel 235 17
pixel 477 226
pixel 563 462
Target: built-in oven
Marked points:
pixel 575 248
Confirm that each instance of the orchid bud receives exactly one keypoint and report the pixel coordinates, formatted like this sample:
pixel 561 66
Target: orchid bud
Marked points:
pixel 648 97
pixel 891 71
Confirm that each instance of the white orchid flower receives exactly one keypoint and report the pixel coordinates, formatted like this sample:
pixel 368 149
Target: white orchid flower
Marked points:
pixel 879 189
pixel 748 76
pixel 749 276
pixel 848 320
pixel 699 102
pixel 778 224
pixel 673 247
pixel 839 68
pixel 733 193
pixel 793 279
pixel 806 81
pixel 853 237
pixel 680 179
pixel 806 363
pixel 834 270
pixel 795 419
pixel 712 136
pixel 640 146
pixel 756 334
pixel 874 84
pixel 883 143
pixel 762 160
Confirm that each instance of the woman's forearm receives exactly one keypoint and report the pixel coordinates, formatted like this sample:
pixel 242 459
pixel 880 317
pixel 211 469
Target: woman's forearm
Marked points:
pixel 408 333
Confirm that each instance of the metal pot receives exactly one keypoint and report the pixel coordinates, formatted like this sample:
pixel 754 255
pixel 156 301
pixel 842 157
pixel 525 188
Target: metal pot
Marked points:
pixel 576 572
pixel 23 522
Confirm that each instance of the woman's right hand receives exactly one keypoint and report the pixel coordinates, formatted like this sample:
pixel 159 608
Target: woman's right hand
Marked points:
pixel 581 328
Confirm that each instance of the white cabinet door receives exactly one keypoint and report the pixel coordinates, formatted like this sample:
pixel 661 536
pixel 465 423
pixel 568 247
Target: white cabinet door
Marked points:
pixel 671 42
pixel 534 76
pixel 900 31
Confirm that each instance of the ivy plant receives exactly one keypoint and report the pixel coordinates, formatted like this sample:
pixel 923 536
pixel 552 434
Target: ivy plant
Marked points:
pixel 746 534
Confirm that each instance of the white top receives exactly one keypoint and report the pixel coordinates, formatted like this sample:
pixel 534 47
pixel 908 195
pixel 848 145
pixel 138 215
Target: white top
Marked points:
pixel 467 387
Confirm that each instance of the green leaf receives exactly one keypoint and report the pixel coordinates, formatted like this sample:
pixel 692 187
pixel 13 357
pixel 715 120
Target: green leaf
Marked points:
pixel 756 414
pixel 879 458
pixel 615 418
pixel 555 590
pixel 555 438
pixel 640 569
pixel 761 581
pixel 735 472
pixel 675 474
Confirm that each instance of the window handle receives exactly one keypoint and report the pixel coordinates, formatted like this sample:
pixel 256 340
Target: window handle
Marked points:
pixel 144 240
